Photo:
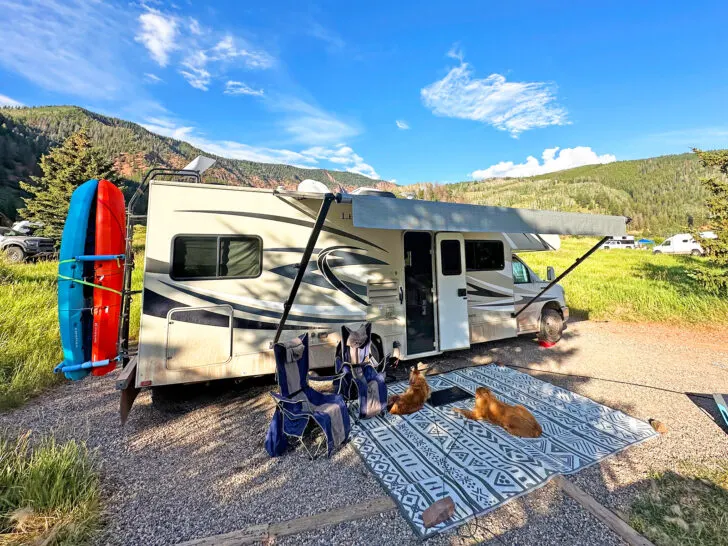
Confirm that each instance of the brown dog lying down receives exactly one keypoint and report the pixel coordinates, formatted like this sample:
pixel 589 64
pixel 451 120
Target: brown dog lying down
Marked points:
pixel 517 420
pixel 413 399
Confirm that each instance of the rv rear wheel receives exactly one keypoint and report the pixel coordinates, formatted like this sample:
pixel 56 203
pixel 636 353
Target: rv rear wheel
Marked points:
pixel 552 326
pixel 695 252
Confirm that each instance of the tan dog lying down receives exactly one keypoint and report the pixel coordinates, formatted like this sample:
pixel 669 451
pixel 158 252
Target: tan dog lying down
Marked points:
pixel 517 420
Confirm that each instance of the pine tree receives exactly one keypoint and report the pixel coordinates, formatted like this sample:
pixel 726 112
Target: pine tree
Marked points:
pixel 717 203
pixel 64 167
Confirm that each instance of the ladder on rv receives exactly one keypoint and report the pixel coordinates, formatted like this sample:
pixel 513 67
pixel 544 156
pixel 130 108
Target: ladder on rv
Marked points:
pixel 192 171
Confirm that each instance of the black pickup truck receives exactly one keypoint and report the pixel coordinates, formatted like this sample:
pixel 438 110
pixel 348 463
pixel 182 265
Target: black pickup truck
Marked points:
pixel 18 247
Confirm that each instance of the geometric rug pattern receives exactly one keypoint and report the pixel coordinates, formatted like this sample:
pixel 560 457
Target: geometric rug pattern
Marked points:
pixel 436 452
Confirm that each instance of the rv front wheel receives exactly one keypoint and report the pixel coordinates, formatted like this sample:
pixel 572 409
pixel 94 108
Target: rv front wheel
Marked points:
pixel 552 326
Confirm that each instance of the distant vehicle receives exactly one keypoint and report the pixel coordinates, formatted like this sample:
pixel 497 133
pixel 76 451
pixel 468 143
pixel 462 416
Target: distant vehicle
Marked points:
pixel 18 247
pixel 682 243
pixel 625 241
pixel 26 227
pixel 708 235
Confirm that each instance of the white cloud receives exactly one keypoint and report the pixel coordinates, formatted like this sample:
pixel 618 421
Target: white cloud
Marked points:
pixel 553 160
pixel 456 52
pixel 194 71
pixel 195 27
pixel 310 125
pixel 228 49
pixel 341 156
pixel 239 88
pixel 7 101
pixel 402 124
pixel 200 65
pixel 158 33
pixel 509 106
pixel 345 156
pixel 331 38
pixel 48 43
pixel 152 78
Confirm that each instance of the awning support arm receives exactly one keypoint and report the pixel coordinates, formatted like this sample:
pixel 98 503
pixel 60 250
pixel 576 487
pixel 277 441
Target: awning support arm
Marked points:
pixel 320 219
pixel 564 274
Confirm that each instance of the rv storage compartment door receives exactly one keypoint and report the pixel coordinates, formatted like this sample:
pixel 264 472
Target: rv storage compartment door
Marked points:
pixel 452 297
pixel 199 336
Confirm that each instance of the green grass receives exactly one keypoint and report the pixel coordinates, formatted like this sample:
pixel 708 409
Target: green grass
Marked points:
pixel 30 346
pixel 29 342
pixel 48 491
pixel 688 507
pixel 632 285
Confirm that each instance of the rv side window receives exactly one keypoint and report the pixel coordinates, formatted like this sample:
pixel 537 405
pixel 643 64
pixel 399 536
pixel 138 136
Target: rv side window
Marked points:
pixel 216 257
pixel 450 256
pixel 520 273
pixel 484 256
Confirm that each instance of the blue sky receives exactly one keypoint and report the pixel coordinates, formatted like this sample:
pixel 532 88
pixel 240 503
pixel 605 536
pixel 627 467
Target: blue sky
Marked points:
pixel 410 91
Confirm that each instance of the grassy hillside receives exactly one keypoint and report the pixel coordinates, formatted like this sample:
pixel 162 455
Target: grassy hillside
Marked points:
pixel 659 194
pixel 26 133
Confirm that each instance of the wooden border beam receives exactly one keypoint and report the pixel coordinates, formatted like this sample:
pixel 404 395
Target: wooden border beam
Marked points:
pixel 266 531
pixel 602 513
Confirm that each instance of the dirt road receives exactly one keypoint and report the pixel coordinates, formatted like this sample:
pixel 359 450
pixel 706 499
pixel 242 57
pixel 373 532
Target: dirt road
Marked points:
pixel 201 469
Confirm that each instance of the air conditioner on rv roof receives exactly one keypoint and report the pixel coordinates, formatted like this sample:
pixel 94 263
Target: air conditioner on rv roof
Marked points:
pixel 313 186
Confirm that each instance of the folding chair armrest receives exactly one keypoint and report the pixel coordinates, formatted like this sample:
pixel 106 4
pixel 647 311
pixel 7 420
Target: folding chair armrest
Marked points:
pixel 282 402
pixel 326 377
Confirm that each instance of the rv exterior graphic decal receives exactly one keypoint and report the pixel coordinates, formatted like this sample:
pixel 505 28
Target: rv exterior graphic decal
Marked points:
pixel 157 305
pixel 320 272
pixel 287 220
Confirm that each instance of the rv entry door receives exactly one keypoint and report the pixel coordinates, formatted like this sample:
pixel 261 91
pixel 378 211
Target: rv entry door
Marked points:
pixel 452 296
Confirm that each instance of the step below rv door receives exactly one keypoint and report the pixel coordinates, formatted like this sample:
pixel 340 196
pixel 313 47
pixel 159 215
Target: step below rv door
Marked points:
pixel 452 297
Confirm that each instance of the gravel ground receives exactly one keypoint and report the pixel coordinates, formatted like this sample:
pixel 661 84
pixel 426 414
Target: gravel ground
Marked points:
pixel 199 468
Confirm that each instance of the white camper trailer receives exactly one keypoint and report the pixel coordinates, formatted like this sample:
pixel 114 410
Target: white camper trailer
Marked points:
pixel 227 268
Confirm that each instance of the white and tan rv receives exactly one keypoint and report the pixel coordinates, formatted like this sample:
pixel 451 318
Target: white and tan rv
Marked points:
pixel 227 267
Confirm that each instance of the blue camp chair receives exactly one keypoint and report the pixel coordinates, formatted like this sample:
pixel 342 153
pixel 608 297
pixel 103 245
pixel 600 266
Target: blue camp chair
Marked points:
pixel 363 380
pixel 297 404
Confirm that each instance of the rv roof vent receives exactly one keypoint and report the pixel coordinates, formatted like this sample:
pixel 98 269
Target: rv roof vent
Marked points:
pixel 313 186
pixel 373 191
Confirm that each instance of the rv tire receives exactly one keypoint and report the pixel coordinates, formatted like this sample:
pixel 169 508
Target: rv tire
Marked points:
pixel 656 252
pixel 695 252
pixel 552 326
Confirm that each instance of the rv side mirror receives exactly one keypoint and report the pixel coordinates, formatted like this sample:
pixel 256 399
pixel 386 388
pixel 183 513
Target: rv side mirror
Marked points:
pixel 550 274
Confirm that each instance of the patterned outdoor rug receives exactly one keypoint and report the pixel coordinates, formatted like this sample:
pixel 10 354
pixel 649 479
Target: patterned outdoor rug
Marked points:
pixel 435 452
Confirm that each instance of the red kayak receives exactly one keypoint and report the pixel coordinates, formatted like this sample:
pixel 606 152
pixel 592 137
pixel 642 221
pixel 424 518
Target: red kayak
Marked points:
pixel 110 230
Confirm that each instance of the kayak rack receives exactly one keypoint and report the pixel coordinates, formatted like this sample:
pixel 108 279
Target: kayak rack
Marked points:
pixel 133 218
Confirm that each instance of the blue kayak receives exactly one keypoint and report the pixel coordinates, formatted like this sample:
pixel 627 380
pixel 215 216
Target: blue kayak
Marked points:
pixel 74 316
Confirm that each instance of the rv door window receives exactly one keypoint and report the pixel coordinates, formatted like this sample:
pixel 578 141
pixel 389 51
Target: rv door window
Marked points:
pixel 450 255
pixel 216 257
pixel 484 256
pixel 520 273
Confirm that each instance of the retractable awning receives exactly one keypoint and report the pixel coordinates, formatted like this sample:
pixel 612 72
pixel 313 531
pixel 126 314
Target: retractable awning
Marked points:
pixel 411 214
